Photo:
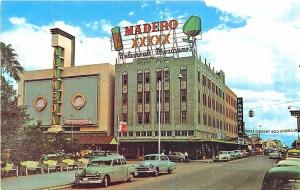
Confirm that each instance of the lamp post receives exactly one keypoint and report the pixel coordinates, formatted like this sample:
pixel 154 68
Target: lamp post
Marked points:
pixel 296 113
pixel 159 107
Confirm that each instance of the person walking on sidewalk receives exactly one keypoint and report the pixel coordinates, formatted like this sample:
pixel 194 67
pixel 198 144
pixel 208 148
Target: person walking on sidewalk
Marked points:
pixel 186 157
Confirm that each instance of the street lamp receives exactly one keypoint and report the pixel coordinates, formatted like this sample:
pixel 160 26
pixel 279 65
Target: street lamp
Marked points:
pixel 159 106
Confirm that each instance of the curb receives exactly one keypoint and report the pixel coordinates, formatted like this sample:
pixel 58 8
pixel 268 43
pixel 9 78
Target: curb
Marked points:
pixel 65 186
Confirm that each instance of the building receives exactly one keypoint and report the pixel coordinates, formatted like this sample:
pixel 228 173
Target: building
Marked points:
pixel 197 108
pixel 73 99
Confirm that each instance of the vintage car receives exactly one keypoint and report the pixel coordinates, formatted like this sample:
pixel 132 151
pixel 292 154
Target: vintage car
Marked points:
pixel 104 170
pixel 287 177
pixel 275 154
pixel 234 155
pixel 176 156
pixel 155 164
pixel 293 153
pixel 239 153
pixel 223 156
pixel 289 162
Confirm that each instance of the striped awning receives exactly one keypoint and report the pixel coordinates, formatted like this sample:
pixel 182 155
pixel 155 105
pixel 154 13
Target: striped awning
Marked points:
pixel 95 139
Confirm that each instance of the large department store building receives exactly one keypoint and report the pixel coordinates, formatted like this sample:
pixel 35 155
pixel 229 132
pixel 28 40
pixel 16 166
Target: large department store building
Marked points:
pixel 197 108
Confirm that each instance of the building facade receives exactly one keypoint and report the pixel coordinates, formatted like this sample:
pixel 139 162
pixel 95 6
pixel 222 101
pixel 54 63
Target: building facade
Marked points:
pixel 193 107
pixel 72 99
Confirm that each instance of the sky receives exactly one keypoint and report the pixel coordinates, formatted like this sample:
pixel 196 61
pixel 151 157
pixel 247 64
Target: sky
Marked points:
pixel 255 42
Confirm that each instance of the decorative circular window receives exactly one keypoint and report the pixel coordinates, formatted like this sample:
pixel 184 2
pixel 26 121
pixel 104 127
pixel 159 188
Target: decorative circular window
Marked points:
pixel 40 103
pixel 78 101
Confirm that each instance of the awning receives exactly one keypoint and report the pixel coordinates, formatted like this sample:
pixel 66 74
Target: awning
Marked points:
pixel 95 139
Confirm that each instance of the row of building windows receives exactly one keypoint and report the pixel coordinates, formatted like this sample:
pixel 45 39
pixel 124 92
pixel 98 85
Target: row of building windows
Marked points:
pixel 155 133
pixel 211 86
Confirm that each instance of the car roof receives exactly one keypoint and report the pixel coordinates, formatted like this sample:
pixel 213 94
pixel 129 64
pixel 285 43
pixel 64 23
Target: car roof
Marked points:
pixel 288 163
pixel 107 158
pixel 287 172
pixel 154 155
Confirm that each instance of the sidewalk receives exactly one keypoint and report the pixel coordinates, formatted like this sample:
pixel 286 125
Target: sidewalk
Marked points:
pixel 38 181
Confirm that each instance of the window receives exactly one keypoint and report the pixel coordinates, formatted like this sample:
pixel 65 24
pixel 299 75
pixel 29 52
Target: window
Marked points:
pixel 140 118
pixel 203 80
pixel 204 99
pixel 177 133
pixel 183 117
pixel 190 133
pixel 163 133
pixel 199 96
pixel 125 78
pixel 130 133
pixel 166 74
pixel 140 77
pixel 167 96
pixel 138 133
pixel 183 95
pixel 140 97
pixel 204 119
pixel 184 133
pixel 158 75
pixel 149 133
pixel 125 117
pixel 167 117
pixel 183 72
pixel 143 133
pixel 124 99
pixel 147 76
pixel 169 133
pixel 198 76
pixel 147 97
pixel 147 118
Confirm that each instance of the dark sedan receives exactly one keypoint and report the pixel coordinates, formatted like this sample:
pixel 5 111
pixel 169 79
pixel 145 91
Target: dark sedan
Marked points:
pixel 176 157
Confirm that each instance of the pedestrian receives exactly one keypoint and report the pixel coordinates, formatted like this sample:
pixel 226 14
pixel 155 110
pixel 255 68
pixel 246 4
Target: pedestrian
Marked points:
pixel 186 157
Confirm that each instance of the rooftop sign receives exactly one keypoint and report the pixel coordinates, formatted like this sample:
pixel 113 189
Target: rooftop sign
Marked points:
pixel 163 38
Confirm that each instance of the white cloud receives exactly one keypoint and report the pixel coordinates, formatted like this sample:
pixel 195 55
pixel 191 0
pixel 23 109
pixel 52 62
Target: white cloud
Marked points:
pixel 33 45
pixel 131 13
pixel 263 50
pixel 106 26
pixel 144 4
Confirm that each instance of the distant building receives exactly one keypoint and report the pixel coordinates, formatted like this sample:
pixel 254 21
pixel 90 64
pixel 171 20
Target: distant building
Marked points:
pixel 68 98
pixel 197 109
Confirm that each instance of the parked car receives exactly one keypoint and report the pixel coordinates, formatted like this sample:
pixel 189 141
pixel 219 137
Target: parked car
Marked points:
pixel 233 154
pixel 282 178
pixel 104 170
pixel 223 156
pixel 155 164
pixel 275 154
pixel 176 156
pixel 239 153
pixel 293 153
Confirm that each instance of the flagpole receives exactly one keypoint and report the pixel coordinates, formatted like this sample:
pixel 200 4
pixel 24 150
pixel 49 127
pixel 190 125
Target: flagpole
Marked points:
pixel 118 126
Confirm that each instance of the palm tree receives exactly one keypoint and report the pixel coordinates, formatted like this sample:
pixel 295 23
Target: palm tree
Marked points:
pixel 9 62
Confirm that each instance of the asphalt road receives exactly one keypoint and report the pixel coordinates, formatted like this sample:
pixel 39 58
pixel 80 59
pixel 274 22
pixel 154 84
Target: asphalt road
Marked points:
pixel 244 174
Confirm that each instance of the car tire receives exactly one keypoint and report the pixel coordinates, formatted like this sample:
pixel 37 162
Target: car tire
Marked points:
pixel 181 160
pixel 105 181
pixel 155 174
pixel 130 178
pixel 170 171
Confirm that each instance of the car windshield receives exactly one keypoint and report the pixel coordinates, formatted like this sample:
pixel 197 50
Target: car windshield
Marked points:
pixel 223 152
pixel 97 163
pixel 150 158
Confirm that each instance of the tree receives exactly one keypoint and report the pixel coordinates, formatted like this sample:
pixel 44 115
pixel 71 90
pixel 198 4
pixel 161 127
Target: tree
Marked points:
pixel 9 62
pixel 13 117
pixel 294 144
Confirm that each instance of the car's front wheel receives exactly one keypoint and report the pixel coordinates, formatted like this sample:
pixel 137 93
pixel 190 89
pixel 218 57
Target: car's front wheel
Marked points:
pixel 181 160
pixel 130 178
pixel 105 181
pixel 155 173
pixel 170 171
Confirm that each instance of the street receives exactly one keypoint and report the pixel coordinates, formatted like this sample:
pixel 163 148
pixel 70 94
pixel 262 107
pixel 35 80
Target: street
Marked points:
pixel 243 174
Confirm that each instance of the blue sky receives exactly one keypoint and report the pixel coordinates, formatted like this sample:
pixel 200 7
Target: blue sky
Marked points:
pixel 256 43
